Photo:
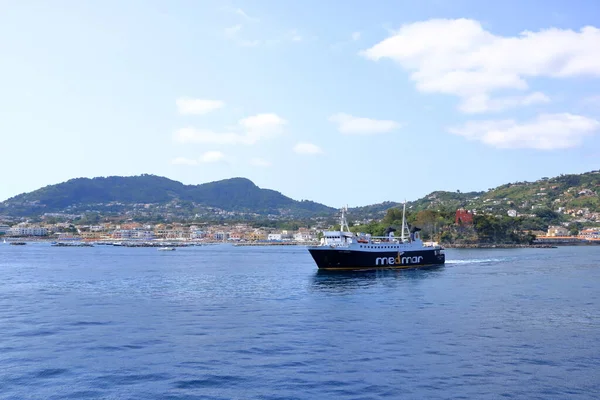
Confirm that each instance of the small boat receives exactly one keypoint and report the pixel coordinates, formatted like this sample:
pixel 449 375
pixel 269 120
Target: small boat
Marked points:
pixel 18 243
pixel 166 249
pixel 345 250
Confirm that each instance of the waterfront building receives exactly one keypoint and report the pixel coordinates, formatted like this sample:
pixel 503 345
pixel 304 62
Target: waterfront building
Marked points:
pixel 274 237
pixel 590 234
pixel 557 231
pixel 27 231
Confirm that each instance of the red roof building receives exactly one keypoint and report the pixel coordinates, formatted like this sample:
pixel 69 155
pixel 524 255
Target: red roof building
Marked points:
pixel 463 217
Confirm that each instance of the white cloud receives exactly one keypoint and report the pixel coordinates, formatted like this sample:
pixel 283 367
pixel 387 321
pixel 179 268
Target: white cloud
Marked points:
pixel 352 125
pixel 262 126
pixel 267 122
pixel 483 102
pixel 208 157
pixel 355 36
pixel 248 131
pixel 183 161
pixel 460 57
pixel 307 148
pixel 212 157
pixel 243 14
pixel 260 162
pixel 546 132
pixel 187 105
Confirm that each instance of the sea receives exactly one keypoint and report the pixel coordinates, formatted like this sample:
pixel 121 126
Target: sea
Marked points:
pixel 226 322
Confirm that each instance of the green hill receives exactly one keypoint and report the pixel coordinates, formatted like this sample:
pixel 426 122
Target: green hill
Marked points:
pixel 121 194
pixel 564 198
pixel 565 192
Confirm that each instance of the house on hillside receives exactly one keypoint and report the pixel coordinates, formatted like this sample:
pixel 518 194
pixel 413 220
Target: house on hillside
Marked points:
pixel 586 192
pixel 463 217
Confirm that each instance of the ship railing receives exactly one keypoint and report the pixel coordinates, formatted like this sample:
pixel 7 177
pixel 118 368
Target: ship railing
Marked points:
pixel 388 239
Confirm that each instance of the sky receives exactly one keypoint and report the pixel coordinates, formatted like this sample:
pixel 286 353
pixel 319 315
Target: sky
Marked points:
pixel 340 102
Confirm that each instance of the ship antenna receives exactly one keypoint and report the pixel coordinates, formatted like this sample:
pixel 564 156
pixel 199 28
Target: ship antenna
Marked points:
pixel 403 220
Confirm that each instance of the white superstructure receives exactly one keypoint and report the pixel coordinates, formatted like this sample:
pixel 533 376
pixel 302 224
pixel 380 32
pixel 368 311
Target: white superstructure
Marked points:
pixel 366 242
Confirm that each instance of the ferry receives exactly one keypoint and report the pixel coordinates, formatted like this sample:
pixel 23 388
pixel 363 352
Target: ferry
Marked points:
pixel 344 250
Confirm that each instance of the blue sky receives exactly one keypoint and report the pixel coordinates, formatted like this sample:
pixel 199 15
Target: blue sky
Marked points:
pixel 341 102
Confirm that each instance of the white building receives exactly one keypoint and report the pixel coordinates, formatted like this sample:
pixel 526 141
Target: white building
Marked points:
pixel 274 237
pixel 138 234
pixel 27 231
pixel 197 234
pixel 4 228
pixel 304 236
pixel 143 234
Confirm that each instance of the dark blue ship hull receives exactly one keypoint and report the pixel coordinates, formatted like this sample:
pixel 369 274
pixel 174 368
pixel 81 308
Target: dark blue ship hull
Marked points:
pixel 344 259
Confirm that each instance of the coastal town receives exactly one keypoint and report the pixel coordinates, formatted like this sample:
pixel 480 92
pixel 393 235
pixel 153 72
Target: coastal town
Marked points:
pixel 132 231
pixel 147 208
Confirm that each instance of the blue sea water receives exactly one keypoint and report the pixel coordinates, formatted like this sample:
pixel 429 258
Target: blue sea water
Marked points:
pixel 224 322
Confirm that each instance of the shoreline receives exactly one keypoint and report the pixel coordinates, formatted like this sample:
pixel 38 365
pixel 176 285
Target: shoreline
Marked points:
pixel 185 243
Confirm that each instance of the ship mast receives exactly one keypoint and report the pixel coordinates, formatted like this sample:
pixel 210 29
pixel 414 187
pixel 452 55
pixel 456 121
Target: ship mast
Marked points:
pixel 343 222
pixel 403 221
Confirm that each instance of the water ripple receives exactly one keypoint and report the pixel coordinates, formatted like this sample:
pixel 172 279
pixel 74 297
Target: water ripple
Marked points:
pixel 223 322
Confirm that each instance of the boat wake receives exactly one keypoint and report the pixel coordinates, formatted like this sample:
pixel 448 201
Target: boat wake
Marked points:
pixel 474 261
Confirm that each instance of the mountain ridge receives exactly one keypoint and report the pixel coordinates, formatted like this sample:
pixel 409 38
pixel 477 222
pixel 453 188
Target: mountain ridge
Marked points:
pixel 149 195
pixel 79 194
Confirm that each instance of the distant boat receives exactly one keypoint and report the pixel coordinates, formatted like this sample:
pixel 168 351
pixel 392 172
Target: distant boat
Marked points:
pixel 166 249
pixel 18 243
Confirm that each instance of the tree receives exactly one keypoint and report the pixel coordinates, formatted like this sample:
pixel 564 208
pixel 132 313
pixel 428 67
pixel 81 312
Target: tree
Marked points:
pixel 548 216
